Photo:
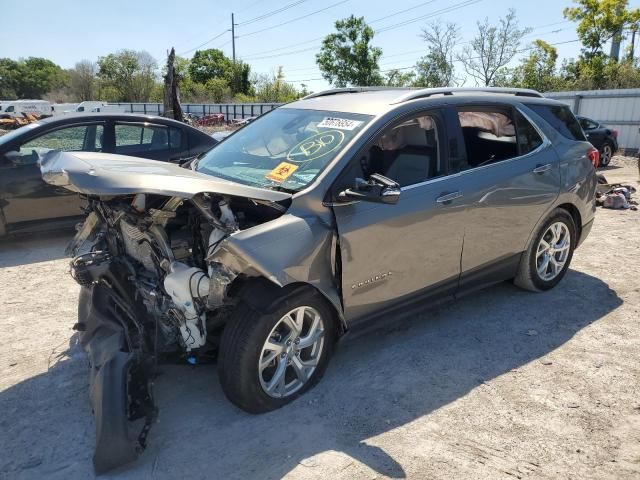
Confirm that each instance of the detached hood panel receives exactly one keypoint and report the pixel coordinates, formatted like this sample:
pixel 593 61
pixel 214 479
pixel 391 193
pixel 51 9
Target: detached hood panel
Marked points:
pixel 109 174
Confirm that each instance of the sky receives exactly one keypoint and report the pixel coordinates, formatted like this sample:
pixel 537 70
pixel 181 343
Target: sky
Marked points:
pixel 270 33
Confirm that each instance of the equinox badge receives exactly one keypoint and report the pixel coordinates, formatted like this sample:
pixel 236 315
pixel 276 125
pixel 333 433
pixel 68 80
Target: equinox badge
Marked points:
pixel 371 280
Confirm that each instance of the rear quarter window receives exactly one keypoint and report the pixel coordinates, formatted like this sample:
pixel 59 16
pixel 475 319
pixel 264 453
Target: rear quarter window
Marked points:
pixel 562 119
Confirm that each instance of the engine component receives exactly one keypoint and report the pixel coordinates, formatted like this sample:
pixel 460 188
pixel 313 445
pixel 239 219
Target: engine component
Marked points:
pixel 184 284
pixel 88 268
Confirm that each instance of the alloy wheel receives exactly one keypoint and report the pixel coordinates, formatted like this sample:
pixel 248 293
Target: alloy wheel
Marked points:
pixel 607 153
pixel 553 251
pixel 291 353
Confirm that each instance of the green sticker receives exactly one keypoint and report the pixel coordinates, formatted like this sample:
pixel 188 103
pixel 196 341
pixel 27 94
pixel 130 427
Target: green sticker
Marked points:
pixel 316 146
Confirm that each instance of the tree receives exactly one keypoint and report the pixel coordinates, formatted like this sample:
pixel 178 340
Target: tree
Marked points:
pixel 347 58
pixel 600 21
pixel 171 97
pixel 537 70
pixel 127 75
pixel 8 79
pixel 493 48
pixel 82 80
pixel 35 76
pixel 208 64
pixel 436 68
pixel 273 88
pixel 238 78
pixel 396 78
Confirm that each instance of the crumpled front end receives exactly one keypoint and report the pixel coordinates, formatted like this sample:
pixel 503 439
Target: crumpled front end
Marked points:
pixel 121 373
pixel 152 289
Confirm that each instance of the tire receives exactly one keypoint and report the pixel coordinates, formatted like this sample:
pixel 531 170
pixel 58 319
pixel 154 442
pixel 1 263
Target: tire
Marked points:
pixel 606 154
pixel 242 347
pixel 529 277
pixel 3 225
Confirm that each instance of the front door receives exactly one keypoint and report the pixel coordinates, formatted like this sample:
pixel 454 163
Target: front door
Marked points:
pixel 25 196
pixel 394 253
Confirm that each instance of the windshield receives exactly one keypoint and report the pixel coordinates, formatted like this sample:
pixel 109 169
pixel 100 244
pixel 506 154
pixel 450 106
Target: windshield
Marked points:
pixel 286 149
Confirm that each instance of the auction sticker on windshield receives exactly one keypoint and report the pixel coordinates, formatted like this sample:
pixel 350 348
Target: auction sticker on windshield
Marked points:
pixel 339 123
pixel 283 171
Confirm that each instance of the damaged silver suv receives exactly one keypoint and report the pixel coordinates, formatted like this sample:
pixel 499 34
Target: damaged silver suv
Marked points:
pixel 320 215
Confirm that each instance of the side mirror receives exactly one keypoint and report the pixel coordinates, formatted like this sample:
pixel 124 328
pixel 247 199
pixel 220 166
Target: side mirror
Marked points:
pixel 378 189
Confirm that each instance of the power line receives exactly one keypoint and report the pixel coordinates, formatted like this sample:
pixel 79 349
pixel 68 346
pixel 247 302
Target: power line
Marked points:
pixel 451 8
pixel 294 19
pixel 256 55
pixel 386 17
pixel 271 13
pixel 297 44
pixel 203 44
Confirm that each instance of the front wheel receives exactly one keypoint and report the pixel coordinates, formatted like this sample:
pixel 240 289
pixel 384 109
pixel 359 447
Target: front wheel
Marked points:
pixel 267 360
pixel 548 257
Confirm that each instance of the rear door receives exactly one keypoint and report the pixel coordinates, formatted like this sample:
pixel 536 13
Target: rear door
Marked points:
pixel 510 179
pixel 394 253
pixel 25 196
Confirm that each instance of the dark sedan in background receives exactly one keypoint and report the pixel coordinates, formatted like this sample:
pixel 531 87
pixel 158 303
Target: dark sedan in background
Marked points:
pixel 605 139
pixel 27 203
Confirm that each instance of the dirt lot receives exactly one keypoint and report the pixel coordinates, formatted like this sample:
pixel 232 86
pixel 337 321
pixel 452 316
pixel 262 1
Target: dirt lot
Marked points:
pixel 501 384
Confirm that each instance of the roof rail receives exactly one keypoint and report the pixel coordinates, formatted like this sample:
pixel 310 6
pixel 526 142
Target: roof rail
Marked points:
pixel 336 91
pixel 427 92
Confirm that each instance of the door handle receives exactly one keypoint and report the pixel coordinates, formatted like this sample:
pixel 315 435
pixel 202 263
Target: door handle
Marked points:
pixel 448 197
pixel 542 168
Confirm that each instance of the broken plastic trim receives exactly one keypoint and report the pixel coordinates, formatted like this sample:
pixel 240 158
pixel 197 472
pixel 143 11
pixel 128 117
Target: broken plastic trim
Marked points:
pixel 120 379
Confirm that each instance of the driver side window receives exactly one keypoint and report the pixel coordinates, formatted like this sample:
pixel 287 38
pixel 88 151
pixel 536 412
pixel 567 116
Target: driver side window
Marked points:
pixel 406 152
pixel 86 138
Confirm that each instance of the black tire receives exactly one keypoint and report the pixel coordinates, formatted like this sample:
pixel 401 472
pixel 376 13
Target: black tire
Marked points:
pixel 605 157
pixel 241 346
pixel 528 277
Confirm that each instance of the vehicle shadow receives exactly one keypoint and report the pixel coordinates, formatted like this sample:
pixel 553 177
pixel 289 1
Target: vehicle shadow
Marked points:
pixel 26 249
pixel 377 382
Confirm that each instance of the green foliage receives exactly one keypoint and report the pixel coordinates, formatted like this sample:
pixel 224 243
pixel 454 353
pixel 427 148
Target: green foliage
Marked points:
pixel 347 58
pixel 9 79
pixel 274 89
pixel 30 78
pixel 436 68
pixel 218 90
pixel 600 21
pixel 238 79
pixel 208 64
pixel 82 80
pixel 127 76
pixel 538 69
pixel 396 78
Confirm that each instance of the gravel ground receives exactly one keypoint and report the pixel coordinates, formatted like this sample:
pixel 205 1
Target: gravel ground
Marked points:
pixel 501 384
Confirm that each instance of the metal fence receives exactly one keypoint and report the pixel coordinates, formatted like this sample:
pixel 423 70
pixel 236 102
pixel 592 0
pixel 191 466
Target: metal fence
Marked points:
pixel 231 111
pixel 619 109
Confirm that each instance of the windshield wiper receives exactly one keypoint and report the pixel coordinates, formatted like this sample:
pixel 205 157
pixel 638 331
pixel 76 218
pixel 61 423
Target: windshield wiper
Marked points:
pixel 280 188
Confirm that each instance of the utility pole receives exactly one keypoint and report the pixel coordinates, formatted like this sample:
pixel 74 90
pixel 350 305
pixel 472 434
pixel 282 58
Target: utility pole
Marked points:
pixel 233 38
pixel 632 52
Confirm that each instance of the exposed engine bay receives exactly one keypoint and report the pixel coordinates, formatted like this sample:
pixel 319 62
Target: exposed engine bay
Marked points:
pixel 152 288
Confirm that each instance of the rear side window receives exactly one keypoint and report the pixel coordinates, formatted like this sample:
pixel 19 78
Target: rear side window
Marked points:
pixel 489 136
pixel 146 137
pixel 560 118
pixel 528 137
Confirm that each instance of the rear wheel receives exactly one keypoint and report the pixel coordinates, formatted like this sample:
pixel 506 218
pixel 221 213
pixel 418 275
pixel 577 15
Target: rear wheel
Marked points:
pixel 547 259
pixel 607 154
pixel 268 360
